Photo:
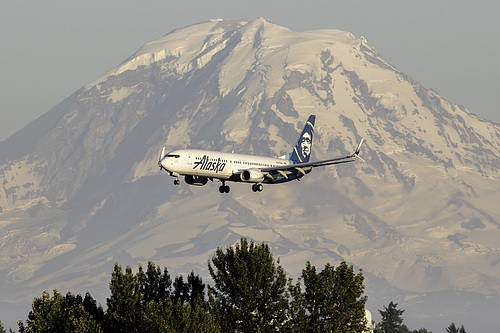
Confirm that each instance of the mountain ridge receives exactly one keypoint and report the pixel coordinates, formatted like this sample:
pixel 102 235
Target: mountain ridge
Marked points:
pixel 85 191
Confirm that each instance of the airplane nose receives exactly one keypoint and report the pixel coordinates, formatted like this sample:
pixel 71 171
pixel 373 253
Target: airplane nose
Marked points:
pixel 163 164
pixel 162 157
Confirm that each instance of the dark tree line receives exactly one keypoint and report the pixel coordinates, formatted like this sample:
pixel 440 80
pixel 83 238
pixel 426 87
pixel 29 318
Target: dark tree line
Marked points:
pixel 251 293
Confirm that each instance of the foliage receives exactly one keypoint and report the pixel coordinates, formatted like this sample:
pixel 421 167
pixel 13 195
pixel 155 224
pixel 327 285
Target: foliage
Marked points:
pixel 188 291
pixel 165 316
pixel 154 285
pixel 250 294
pixel 250 288
pixel 392 320
pixel 454 329
pixel 331 301
pixel 123 314
pixel 136 299
pixel 60 313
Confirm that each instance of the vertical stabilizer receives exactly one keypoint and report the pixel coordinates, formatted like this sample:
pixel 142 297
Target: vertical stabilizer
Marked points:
pixel 302 150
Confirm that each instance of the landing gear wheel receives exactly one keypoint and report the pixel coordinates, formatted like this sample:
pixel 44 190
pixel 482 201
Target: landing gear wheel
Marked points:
pixel 177 182
pixel 224 189
pixel 257 187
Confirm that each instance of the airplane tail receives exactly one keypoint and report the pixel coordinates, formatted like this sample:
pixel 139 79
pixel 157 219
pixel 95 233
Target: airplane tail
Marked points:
pixel 302 150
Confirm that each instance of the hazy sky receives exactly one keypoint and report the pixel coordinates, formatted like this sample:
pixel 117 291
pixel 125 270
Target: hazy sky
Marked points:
pixel 51 48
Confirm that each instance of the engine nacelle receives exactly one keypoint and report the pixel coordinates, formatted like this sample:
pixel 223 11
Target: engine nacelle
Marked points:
pixel 252 176
pixel 195 180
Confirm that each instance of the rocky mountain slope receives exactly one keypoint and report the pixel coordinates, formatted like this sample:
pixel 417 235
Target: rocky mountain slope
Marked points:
pixel 81 188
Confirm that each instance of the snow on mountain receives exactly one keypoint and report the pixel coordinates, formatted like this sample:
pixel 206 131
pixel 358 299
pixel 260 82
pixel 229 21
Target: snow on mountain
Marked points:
pixel 81 188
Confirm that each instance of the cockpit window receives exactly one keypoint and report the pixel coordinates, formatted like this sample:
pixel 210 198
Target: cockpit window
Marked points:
pixel 173 155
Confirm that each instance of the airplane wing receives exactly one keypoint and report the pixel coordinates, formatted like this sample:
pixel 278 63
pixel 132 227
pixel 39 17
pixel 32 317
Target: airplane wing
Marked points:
pixel 301 166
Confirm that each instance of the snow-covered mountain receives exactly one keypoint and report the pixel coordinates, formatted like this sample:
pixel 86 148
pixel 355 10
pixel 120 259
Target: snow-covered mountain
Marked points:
pixel 81 188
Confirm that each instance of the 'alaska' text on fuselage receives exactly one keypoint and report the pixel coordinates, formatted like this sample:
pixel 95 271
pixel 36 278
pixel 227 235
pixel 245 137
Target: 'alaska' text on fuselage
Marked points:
pixel 199 166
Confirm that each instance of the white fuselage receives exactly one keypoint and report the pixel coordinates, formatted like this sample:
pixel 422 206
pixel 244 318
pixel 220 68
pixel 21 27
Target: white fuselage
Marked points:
pixel 198 166
pixel 213 164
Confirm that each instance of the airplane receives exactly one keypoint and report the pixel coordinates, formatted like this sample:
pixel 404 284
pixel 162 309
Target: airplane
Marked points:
pixel 199 166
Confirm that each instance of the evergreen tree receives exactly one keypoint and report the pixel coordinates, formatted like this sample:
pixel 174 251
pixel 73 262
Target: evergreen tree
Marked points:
pixel 138 301
pixel 48 314
pixel 392 320
pixel 201 320
pixel 124 305
pixel 421 330
pixel 84 307
pixel 188 291
pixel 299 318
pixel 2 329
pixel 404 329
pixel 84 322
pixel 90 306
pixel 331 301
pixel 454 329
pixel 165 316
pixel 155 286
pixel 196 288
pixel 160 317
pixel 181 290
pixel 250 288
pixel 61 314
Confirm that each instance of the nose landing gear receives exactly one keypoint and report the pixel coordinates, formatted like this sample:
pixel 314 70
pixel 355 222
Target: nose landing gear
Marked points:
pixel 176 175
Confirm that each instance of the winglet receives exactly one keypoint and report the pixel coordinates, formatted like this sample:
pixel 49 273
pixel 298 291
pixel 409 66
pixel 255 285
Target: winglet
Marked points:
pixel 358 149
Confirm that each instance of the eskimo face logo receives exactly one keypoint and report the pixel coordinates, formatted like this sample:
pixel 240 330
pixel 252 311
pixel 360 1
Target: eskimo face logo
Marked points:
pixel 209 165
pixel 305 145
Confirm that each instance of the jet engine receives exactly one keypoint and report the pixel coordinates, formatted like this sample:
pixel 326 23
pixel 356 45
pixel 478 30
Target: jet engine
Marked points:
pixel 195 180
pixel 252 176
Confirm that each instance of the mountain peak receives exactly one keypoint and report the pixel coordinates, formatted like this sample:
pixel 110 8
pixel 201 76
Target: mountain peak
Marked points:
pixel 86 191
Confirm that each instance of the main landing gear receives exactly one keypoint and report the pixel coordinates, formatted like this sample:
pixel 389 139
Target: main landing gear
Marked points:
pixel 224 188
pixel 257 187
